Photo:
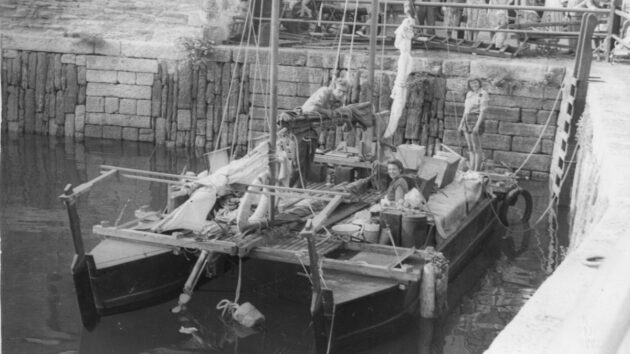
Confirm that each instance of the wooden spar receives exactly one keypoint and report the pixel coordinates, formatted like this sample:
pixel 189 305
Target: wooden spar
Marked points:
pixel 299 190
pixel 149 173
pixel 84 187
pixel 318 221
pixel 275 36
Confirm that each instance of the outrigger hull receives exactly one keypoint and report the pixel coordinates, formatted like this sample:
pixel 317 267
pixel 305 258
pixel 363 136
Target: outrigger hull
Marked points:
pixel 147 275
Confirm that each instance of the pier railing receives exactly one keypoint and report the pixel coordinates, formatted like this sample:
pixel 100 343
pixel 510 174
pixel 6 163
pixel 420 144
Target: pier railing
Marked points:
pixel 612 20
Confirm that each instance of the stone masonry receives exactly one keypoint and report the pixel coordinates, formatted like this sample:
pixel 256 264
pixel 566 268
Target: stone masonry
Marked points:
pixel 148 92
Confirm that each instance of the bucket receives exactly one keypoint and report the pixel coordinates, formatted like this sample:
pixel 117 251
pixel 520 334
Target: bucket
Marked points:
pixel 371 232
pixel 413 231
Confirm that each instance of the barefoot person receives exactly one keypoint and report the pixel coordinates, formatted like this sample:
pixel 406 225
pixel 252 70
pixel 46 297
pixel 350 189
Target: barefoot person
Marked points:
pixel 472 124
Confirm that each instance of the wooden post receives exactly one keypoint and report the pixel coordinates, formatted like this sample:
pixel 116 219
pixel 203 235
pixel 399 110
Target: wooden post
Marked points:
pixel 275 30
pixel 79 268
pixel 317 307
pixel 427 291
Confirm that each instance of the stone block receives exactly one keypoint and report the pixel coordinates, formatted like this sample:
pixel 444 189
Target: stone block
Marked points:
pixel 81 95
pixel 9 54
pixel 515 159
pixel 222 54
pixel 32 70
pixel 184 91
pixel 456 67
pixel 107 76
pixel 200 141
pixel 144 49
pixel 68 58
pixel 529 116
pixel 457 84
pixel 121 64
pixel 111 105
pixel 491 126
pixel 551 92
pixel 284 89
pixel 495 142
pixel 80 60
pixel 522 129
pixel 60 112
pixel 143 107
pixel 547 146
pixel 500 69
pixel 114 119
pixel 57 72
pixel 455 96
pixel 287 56
pixel 118 90
pixel 81 75
pixel 79 118
pixel 112 132
pixel 514 101
pixel 12 103
pixel 69 125
pixel 284 102
pixel 183 119
pixel 297 74
pixel 160 130
pixel 146 135
pixel 525 144
pixel 138 121
pixel 555 76
pixel 551 105
pixel 95 104
pixel 127 106
pixel 40 43
pixel 427 65
pixel 321 59
pixel 108 47
pixel 504 114
pixel 130 134
pixel 304 89
pixel 126 77
pixel 95 118
pixel 452 138
pixel 144 79
pixel 93 131
pixel 52 127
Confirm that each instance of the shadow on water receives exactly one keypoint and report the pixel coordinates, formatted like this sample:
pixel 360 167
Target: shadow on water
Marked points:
pixel 40 313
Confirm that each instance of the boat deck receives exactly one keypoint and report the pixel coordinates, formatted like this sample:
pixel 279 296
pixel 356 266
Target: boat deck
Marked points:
pixel 281 244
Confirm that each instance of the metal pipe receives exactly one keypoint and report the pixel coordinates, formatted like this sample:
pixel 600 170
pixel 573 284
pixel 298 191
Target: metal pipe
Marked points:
pixel 149 173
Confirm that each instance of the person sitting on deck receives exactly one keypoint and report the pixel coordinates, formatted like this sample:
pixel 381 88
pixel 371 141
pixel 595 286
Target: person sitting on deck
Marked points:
pixel 398 187
pixel 326 99
pixel 472 124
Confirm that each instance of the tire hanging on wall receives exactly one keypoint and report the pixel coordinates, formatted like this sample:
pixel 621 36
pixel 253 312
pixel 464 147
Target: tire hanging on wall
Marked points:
pixel 510 200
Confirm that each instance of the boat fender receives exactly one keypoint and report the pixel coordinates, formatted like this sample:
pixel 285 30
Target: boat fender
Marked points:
pixel 248 315
pixel 511 199
pixel 243 219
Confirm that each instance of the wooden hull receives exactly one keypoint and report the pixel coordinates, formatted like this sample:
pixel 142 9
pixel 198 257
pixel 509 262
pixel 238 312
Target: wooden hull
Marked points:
pixel 393 304
pixel 124 276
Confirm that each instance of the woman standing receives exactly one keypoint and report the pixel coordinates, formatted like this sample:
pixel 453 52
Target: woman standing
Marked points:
pixel 472 125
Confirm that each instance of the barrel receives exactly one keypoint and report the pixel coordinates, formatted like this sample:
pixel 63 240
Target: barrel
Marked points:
pixel 413 230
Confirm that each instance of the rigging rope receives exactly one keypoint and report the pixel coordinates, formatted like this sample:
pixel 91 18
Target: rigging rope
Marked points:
pixel 226 306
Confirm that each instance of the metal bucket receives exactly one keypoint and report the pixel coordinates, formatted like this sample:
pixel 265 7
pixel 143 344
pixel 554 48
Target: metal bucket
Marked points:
pixel 413 231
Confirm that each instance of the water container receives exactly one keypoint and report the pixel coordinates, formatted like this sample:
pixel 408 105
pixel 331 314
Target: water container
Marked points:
pixel 413 231
pixel 391 218
pixel 371 232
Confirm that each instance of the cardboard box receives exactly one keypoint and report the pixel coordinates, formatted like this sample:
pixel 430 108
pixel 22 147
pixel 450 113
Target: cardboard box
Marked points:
pixel 442 166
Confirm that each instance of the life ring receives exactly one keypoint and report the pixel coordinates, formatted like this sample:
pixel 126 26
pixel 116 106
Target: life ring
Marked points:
pixel 511 199
pixel 244 221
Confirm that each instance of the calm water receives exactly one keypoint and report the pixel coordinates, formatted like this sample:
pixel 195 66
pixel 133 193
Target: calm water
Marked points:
pixel 39 311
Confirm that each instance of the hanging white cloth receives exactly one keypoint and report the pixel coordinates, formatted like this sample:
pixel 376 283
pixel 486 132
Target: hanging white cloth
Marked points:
pixel 404 34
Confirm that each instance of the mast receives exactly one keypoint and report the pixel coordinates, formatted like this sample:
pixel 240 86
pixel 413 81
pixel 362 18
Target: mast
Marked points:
pixel 273 72
pixel 372 56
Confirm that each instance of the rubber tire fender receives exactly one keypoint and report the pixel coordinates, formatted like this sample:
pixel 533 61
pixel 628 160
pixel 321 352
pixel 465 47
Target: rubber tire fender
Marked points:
pixel 511 199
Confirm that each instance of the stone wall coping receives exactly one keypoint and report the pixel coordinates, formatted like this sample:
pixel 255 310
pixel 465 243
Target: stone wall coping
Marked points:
pixel 573 301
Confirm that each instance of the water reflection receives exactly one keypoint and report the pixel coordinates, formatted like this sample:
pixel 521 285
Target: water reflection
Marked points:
pixel 40 314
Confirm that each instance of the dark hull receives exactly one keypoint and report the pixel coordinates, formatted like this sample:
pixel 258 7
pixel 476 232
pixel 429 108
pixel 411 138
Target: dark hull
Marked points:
pixel 384 312
pixel 140 283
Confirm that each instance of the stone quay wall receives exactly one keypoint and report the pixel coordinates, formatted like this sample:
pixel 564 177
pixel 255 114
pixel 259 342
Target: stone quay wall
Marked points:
pixel 148 92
